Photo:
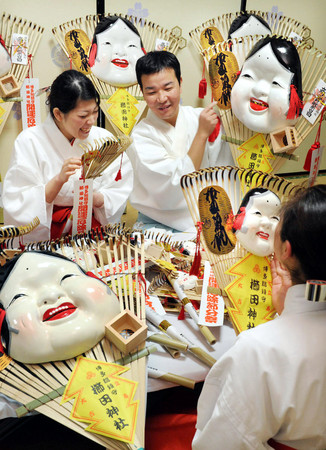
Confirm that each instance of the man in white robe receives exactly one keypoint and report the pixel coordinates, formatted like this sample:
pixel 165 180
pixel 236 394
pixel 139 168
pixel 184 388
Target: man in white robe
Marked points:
pixel 169 143
pixel 38 155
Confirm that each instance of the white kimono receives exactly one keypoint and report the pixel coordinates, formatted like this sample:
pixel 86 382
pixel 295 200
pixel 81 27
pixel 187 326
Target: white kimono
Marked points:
pixel 159 159
pixel 270 384
pixel 37 157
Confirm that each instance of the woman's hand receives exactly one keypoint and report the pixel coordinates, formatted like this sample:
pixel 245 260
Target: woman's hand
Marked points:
pixel 281 283
pixel 68 168
pixel 53 187
pixel 98 200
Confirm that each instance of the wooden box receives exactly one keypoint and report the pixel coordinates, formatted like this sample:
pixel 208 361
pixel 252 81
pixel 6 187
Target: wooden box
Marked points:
pixel 9 86
pixel 126 331
pixel 285 140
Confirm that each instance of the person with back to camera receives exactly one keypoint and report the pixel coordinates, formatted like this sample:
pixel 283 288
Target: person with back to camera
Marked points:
pixel 46 161
pixel 170 142
pixel 269 389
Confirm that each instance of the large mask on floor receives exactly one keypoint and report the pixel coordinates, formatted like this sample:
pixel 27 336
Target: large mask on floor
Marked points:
pixel 53 309
pixel 256 221
pixel 267 95
pixel 115 50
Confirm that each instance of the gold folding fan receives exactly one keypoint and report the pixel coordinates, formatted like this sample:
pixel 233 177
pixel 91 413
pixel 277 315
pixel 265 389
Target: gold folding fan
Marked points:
pixel 113 257
pixel 8 26
pixel 313 66
pixel 235 182
pixel 279 25
pixel 149 33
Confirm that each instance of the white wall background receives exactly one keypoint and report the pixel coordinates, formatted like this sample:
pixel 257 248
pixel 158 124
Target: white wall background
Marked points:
pixel 187 14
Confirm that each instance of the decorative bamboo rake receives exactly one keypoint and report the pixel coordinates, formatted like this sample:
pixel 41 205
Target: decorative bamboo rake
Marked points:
pixel 313 66
pixel 111 253
pixel 236 182
pixel 9 25
pixel 279 25
pixel 149 33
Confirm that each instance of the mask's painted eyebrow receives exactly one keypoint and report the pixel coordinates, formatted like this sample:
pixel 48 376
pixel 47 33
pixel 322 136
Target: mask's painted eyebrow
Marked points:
pixel 15 298
pixel 68 275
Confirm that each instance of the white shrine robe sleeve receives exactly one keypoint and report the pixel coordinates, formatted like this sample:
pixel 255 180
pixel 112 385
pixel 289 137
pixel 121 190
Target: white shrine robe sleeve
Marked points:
pixel 158 171
pixel 234 406
pixel 24 188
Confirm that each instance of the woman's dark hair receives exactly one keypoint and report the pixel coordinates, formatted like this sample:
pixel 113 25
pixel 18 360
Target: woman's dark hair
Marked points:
pixel 303 224
pixel 242 19
pixel 108 22
pixel 68 88
pixel 156 61
pixel 286 54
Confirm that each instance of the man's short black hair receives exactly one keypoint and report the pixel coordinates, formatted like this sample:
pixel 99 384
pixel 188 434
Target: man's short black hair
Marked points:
pixel 156 61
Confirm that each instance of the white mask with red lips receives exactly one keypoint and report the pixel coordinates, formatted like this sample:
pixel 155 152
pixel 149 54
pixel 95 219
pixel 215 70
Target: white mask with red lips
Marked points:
pixel 260 98
pixel 118 50
pixel 261 218
pixel 53 309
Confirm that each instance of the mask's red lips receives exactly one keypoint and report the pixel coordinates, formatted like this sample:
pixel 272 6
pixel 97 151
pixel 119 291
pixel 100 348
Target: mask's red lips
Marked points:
pixel 263 235
pixel 64 310
pixel 120 62
pixel 258 105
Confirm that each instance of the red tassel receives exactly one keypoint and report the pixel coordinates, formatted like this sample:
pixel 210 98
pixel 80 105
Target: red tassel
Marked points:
pixel 315 145
pixel 215 132
pixel 296 104
pixel 195 304
pixel 307 163
pixel 202 91
pixel 144 51
pixel 182 314
pixel 92 55
pixel 195 268
pixel 119 176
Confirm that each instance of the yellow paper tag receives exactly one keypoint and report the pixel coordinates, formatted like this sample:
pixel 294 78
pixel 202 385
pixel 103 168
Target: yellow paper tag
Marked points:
pixel 78 45
pixel 103 399
pixel 2 113
pixel 215 209
pixel 251 292
pixel 122 110
pixel 255 154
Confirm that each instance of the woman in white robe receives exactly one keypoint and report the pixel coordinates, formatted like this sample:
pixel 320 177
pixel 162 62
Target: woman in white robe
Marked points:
pixel 46 160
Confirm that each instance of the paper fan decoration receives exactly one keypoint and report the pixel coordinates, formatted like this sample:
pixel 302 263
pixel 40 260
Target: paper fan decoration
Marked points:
pixel 112 257
pixel 123 106
pixel 11 83
pixel 234 183
pixel 96 159
pixel 313 67
pixel 219 27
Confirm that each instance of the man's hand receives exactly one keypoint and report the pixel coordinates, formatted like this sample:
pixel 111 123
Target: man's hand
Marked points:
pixel 207 120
